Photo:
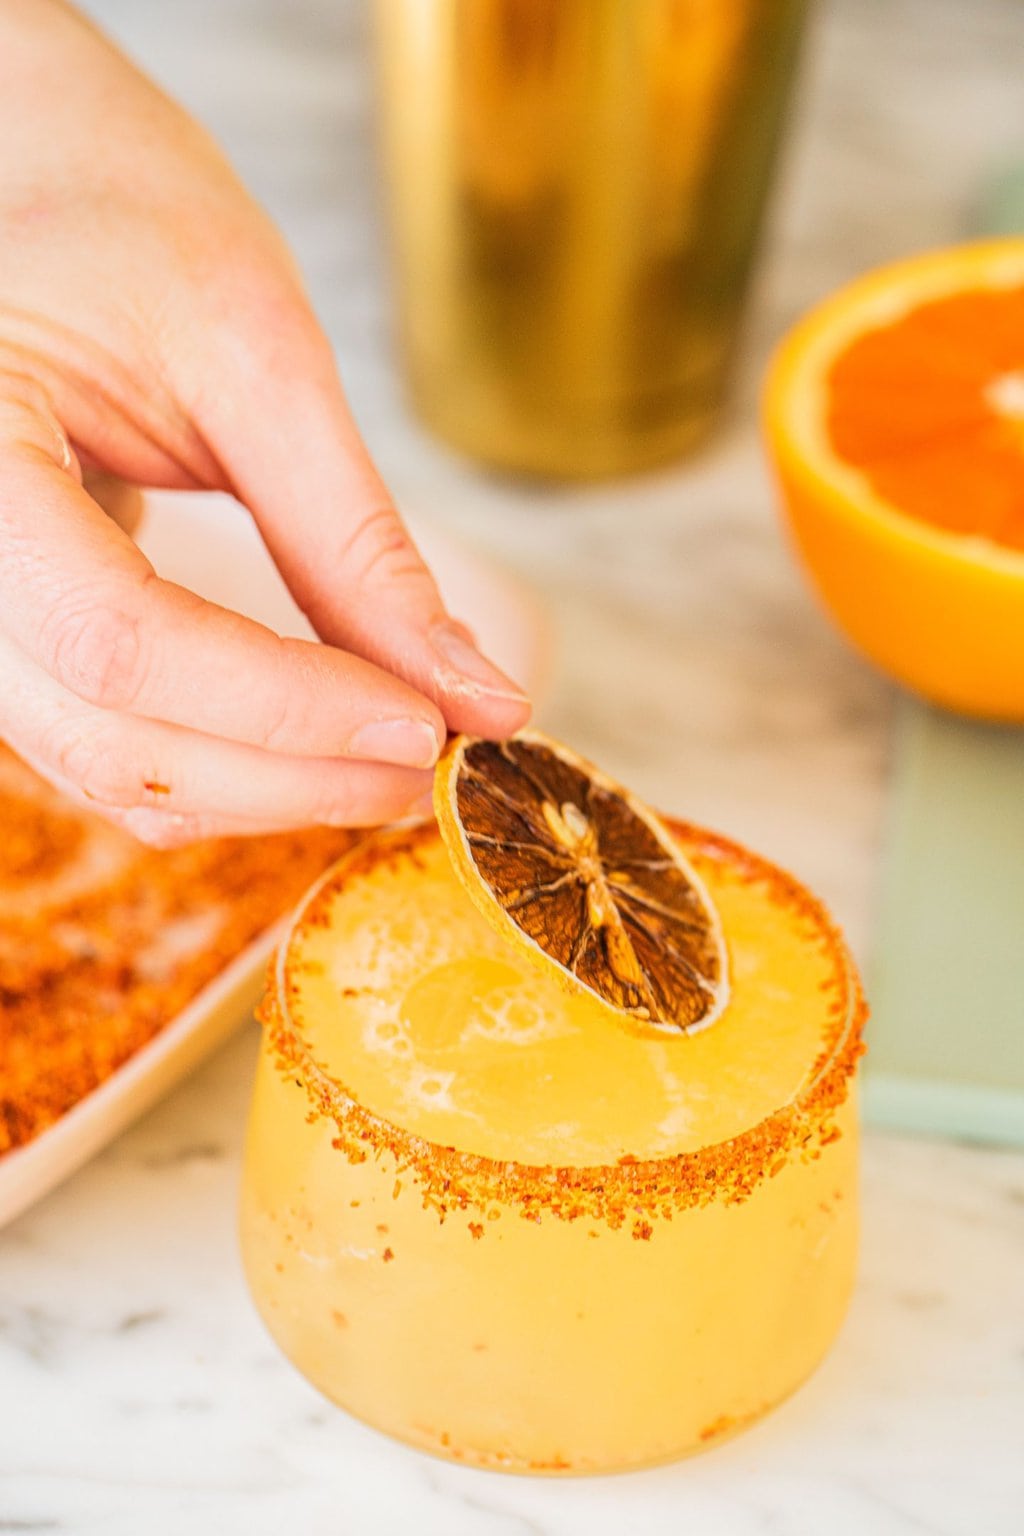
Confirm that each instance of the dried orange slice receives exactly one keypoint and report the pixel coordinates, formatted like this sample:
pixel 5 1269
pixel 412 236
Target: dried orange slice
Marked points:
pixel 895 416
pixel 579 875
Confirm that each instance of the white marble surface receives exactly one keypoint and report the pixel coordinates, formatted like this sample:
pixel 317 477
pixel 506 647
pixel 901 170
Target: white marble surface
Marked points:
pixel 137 1391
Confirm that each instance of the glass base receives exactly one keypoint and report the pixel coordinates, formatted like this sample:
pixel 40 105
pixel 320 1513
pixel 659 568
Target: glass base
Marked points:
pixel 728 1429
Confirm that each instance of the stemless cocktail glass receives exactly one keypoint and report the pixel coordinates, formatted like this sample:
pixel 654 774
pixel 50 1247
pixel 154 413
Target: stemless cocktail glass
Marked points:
pixel 508 1225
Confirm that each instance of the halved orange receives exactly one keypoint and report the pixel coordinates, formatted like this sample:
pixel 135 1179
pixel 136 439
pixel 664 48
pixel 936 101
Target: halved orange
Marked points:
pixel 894 414
pixel 581 877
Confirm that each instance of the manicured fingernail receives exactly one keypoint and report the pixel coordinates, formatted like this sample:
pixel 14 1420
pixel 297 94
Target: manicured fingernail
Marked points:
pixel 467 671
pixel 407 743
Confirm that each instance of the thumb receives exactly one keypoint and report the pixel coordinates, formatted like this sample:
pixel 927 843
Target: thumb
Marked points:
pixel 287 442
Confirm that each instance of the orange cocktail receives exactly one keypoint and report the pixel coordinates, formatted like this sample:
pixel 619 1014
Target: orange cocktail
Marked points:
pixel 494 1218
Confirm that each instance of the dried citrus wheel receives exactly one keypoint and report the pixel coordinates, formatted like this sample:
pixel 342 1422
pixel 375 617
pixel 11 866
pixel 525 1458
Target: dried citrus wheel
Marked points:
pixel 895 416
pixel 578 874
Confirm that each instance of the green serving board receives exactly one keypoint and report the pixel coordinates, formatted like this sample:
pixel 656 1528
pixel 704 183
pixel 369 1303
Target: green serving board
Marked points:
pixel 946 1039
pixel 947 1033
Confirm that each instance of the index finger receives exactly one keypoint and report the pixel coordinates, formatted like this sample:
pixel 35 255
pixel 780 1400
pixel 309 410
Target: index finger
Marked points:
pixel 330 523
pixel 84 602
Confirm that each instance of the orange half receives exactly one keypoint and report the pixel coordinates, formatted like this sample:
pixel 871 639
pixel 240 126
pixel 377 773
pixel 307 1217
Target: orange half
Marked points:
pixel 895 418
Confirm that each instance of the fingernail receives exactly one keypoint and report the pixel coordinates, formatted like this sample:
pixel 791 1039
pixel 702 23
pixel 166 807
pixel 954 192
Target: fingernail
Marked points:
pixel 407 743
pixel 468 671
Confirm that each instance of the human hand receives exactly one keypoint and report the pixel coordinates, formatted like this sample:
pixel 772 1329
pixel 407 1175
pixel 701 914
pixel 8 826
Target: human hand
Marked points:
pixel 153 327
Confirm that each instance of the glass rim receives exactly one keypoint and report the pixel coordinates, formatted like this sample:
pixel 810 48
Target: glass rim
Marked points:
pixel 452 1179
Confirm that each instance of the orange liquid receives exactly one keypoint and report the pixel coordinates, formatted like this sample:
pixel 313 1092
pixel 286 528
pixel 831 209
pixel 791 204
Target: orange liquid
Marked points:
pixel 496 1220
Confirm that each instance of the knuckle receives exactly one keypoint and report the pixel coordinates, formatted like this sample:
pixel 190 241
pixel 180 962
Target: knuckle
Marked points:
pixel 96 651
pixel 381 549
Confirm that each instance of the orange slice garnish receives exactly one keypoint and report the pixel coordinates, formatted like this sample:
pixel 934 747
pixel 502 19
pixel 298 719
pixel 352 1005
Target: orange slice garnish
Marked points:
pixel 579 875
pixel 895 416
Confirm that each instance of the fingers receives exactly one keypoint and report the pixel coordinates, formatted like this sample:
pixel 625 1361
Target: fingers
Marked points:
pixel 287 442
pixel 82 601
pixel 170 785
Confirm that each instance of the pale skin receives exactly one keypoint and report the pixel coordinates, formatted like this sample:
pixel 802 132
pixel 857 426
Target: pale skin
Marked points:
pixel 154 328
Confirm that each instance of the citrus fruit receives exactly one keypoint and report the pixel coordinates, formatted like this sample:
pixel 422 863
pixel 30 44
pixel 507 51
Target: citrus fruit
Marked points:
pixel 577 873
pixel 894 414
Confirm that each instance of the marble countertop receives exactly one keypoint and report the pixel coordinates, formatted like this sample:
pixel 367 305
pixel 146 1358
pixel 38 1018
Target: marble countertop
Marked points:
pixel 137 1390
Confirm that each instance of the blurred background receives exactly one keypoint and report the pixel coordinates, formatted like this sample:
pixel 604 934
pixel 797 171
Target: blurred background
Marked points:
pixel 687 655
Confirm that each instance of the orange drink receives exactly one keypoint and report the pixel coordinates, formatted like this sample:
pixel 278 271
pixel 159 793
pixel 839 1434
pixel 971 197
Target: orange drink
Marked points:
pixel 508 1223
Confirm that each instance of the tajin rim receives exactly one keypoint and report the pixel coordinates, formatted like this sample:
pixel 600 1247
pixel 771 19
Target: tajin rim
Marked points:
pixel 631 1189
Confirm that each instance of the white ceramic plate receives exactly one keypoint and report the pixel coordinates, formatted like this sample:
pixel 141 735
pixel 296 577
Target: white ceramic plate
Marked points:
pixel 209 544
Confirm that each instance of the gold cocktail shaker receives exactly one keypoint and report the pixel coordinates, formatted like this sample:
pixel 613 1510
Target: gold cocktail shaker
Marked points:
pixel 575 190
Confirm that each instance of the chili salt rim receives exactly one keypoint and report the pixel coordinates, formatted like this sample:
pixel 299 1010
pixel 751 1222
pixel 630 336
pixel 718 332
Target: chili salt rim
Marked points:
pixel 615 1193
